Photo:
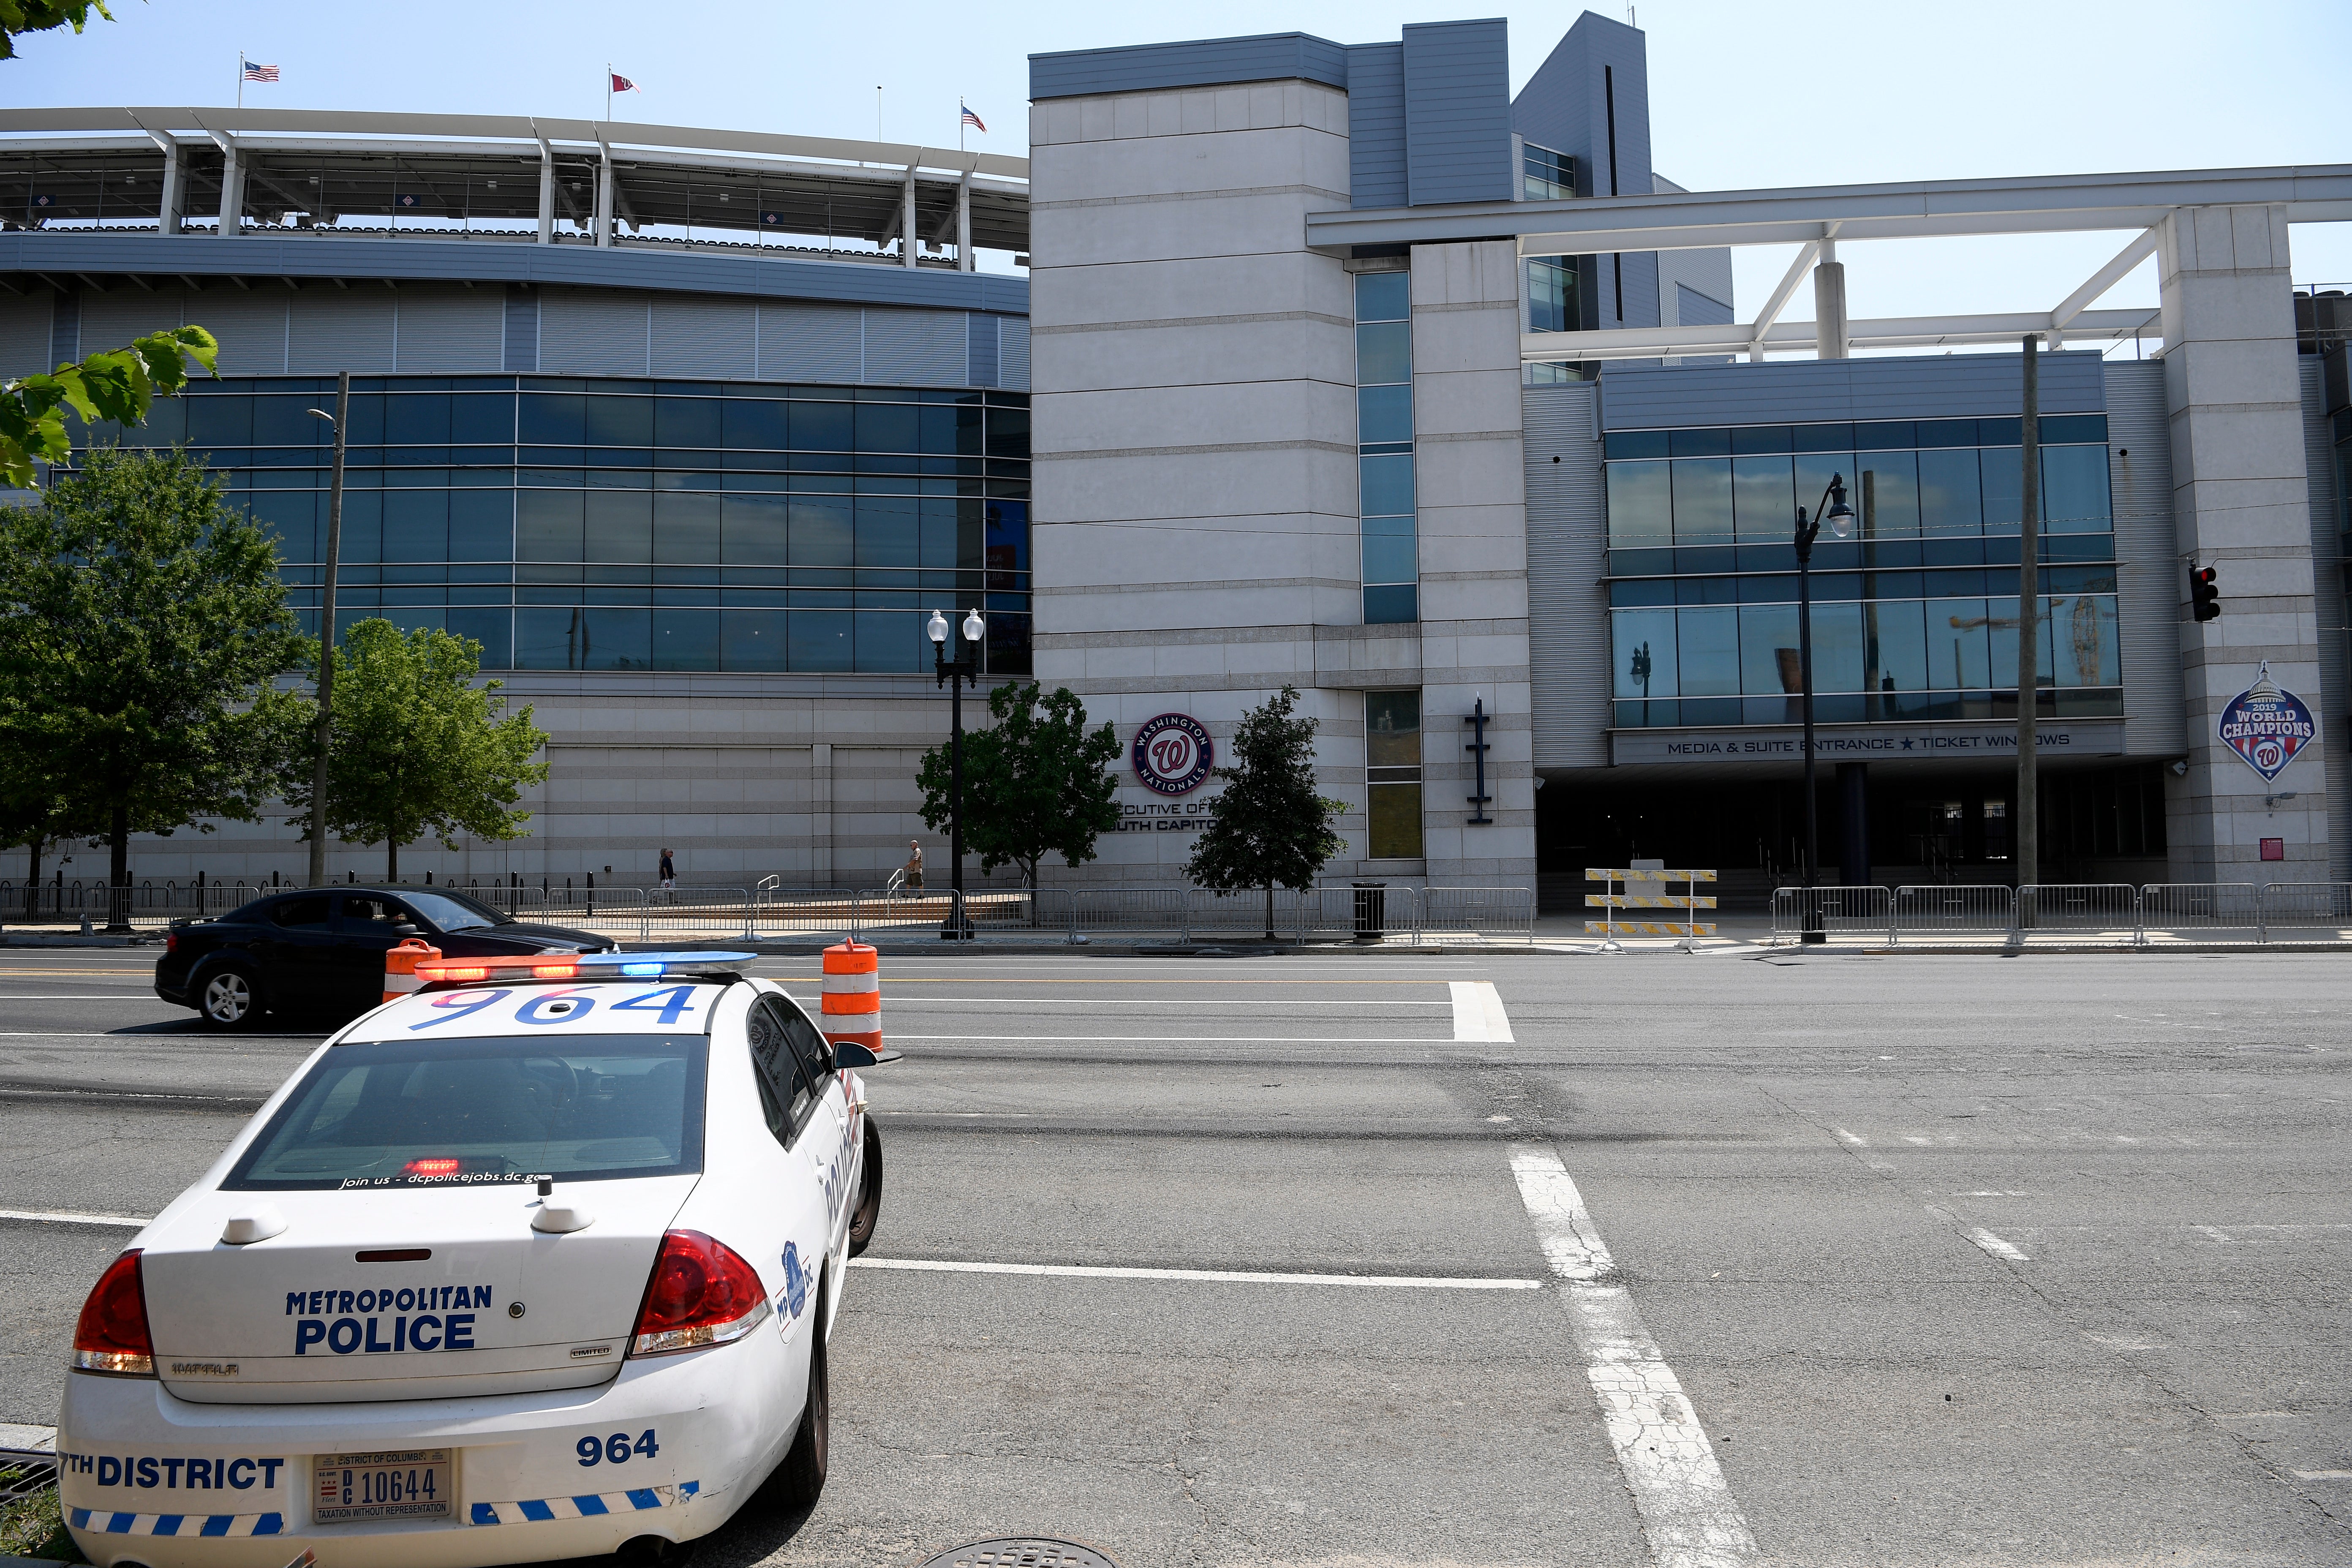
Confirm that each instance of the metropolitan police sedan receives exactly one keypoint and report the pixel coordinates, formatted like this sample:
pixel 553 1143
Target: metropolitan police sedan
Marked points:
pixel 537 1263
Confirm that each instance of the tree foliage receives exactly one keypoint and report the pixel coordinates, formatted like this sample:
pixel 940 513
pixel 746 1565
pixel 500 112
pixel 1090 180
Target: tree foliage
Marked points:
pixel 417 748
pixel 120 384
pixel 143 631
pixel 1267 826
pixel 21 17
pixel 1035 783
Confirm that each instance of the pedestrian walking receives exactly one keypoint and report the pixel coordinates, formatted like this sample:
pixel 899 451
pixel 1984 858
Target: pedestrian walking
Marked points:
pixel 914 866
pixel 668 875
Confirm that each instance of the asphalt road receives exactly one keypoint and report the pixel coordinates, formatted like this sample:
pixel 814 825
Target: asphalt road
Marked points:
pixel 1827 1260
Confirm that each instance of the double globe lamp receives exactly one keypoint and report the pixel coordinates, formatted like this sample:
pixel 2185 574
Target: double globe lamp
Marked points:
pixel 955 674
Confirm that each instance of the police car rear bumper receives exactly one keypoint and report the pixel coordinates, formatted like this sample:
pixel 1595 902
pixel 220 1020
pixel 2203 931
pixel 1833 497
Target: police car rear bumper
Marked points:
pixel 720 1419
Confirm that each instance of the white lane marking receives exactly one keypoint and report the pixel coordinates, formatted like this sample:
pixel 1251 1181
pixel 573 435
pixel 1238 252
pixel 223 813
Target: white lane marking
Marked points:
pixel 2324 1475
pixel 1042 1039
pixel 1478 1012
pixel 1213 1276
pixel 1023 1004
pixel 1688 1514
pixel 1995 1246
pixel 67 1216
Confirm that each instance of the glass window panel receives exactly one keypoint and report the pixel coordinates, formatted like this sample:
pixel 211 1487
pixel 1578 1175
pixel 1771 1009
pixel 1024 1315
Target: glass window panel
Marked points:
pixel 1391 557
pixel 686 640
pixel 1387 485
pixel 1618 444
pixel 968 432
pixel 552 419
pixel 620 525
pixel 1551 295
pixel 547 638
pixel 821 532
pixel 289 422
pixel 1383 413
pixel 687 422
pixel 1393 728
pixel 1393 814
pixel 2000 637
pixel 938 428
pixel 1898 629
pixel 1008 543
pixel 363 525
pixel 417 419
pixel 1768 649
pixel 613 638
pixel 819 640
pixel 483 416
pixel 2084 631
pixel 888 531
pixel 1760 438
pixel 891 642
pixel 1702 500
pixel 492 627
pixel 1837 647
pixel 482 525
pixel 2001 471
pixel 1960 651
pixel 1710 443
pixel 1890 482
pixel 1394 605
pixel 889 427
pixel 686 527
pixel 1949 502
pixel 417 525
pixel 823 426
pixel 1763 500
pixel 1383 353
pixel 220 420
pixel 1640 505
pixel 751 529
pixel 752 424
pixel 1644 652
pixel 291 517
pixel 1815 471
pixel 2075 489
pixel 752 640
pixel 1707 649
pixel 1383 296
pixel 619 421
pixel 938 530
pixel 1008 432
pixel 1822 439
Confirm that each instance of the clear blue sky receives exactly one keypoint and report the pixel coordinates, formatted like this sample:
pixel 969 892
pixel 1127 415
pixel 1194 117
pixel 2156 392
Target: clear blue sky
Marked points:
pixel 1742 94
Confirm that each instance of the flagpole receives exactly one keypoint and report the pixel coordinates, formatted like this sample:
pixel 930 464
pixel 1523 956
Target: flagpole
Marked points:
pixel 240 79
pixel 608 92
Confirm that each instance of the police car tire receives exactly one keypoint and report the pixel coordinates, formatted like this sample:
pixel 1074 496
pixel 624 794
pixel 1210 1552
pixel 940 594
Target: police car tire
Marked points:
pixel 868 1213
pixel 801 1478
pixel 228 976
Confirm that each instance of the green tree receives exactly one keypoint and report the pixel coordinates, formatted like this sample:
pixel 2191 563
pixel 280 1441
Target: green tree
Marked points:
pixel 120 384
pixel 418 747
pixel 143 628
pixel 1035 783
pixel 1267 825
pixel 18 17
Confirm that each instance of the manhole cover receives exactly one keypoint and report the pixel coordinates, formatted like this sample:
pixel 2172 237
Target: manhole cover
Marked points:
pixel 1023 1551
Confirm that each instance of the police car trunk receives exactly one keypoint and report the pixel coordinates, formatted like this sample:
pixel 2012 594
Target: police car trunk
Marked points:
pixel 470 1208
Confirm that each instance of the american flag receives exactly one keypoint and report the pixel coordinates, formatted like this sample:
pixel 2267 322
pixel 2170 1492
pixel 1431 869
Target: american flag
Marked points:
pixel 259 73
pixel 973 119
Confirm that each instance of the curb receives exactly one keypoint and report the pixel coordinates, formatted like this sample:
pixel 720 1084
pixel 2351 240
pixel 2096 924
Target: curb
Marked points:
pixel 76 939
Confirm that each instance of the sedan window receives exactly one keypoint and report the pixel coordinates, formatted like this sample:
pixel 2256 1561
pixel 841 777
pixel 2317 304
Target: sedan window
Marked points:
pixel 363 910
pixel 450 913
pixel 308 913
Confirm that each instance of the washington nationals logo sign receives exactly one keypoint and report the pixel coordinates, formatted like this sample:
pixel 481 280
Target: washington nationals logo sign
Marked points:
pixel 2266 726
pixel 1173 754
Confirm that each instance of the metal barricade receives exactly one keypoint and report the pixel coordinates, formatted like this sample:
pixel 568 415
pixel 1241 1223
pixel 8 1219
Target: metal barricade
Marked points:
pixel 778 910
pixel 2104 912
pixel 1951 909
pixel 2199 912
pixel 2306 912
pixel 1241 915
pixel 1500 914
pixel 1847 910
pixel 1131 911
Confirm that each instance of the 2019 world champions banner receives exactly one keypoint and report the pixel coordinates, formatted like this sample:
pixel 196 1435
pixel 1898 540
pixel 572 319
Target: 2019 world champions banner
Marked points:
pixel 2266 726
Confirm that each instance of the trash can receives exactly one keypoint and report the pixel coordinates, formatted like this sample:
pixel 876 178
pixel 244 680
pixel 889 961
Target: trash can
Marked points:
pixel 1371 910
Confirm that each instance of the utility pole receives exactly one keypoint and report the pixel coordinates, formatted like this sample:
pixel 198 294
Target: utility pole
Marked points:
pixel 2029 641
pixel 327 634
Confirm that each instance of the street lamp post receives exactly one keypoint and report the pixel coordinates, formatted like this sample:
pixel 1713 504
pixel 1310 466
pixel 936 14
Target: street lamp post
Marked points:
pixel 340 419
pixel 955 674
pixel 1834 511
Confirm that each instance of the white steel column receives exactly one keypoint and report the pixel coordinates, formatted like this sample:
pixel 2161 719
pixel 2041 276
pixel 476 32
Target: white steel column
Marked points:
pixel 1828 304
pixel 965 260
pixel 546 192
pixel 167 206
pixel 604 196
pixel 232 204
pixel 2241 505
pixel 909 248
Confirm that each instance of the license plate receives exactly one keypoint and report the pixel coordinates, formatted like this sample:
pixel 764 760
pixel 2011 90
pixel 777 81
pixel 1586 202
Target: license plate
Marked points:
pixel 411 1483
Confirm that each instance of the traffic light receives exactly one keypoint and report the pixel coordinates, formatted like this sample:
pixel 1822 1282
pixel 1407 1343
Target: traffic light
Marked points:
pixel 2203 595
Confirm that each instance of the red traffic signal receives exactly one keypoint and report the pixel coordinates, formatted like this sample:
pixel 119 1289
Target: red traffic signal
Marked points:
pixel 2203 596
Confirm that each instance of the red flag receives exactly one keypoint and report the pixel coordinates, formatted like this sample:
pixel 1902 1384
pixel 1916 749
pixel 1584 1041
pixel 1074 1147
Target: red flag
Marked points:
pixel 622 84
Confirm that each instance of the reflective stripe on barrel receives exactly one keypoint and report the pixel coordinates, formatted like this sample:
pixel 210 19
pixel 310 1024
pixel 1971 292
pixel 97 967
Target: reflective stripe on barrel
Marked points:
pixel 399 967
pixel 852 1002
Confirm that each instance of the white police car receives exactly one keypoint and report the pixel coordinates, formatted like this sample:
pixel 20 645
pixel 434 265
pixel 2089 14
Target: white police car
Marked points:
pixel 539 1262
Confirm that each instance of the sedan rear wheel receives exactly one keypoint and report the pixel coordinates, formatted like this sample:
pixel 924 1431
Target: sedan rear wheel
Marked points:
pixel 229 998
pixel 801 1478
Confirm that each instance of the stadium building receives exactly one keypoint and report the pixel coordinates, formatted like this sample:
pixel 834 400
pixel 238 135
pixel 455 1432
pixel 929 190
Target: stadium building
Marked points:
pixel 1337 366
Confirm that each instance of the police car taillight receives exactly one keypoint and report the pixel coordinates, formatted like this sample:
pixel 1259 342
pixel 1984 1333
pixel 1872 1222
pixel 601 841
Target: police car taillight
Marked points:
pixel 701 1293
pixel 112 1336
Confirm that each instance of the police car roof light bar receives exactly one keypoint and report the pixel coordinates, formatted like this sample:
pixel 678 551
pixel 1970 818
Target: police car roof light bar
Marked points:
pixel 506 969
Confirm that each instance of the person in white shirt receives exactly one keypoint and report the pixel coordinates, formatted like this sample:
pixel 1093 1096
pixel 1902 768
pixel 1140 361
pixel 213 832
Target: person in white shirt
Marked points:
pixel 915 865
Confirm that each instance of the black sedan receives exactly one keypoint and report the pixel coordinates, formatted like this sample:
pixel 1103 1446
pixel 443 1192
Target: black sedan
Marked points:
pixel 320 950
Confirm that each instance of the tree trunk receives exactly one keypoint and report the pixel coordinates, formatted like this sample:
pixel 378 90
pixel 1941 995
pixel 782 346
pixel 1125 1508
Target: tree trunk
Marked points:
pixel 33 877
pixel 391 859
pixel 1269 911
pixel 118 876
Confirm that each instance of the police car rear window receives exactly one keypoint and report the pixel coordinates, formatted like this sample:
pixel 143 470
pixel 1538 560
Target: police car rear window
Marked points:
pixel 482 1112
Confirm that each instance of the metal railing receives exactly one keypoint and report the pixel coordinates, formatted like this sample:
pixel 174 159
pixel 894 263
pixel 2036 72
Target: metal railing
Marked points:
pixel 2200 912
pixel 1951 909
pixel 1834 910
pixel 2107 911
pixel 2306 912
pixel 1509 913
pixel 2086 914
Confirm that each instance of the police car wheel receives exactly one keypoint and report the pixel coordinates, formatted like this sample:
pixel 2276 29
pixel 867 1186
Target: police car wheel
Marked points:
pixel 801 1478
pixel 229 997
pixel 868 1213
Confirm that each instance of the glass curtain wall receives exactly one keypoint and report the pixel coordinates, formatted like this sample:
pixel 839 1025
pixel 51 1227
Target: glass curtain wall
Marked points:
pixel 1393 773
pixel 1908 615
pixel 1392 554
pixel 570 523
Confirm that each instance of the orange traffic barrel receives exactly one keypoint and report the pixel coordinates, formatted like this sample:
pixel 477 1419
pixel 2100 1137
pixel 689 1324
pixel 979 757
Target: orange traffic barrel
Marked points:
pixel 399 967
pixel 853 996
